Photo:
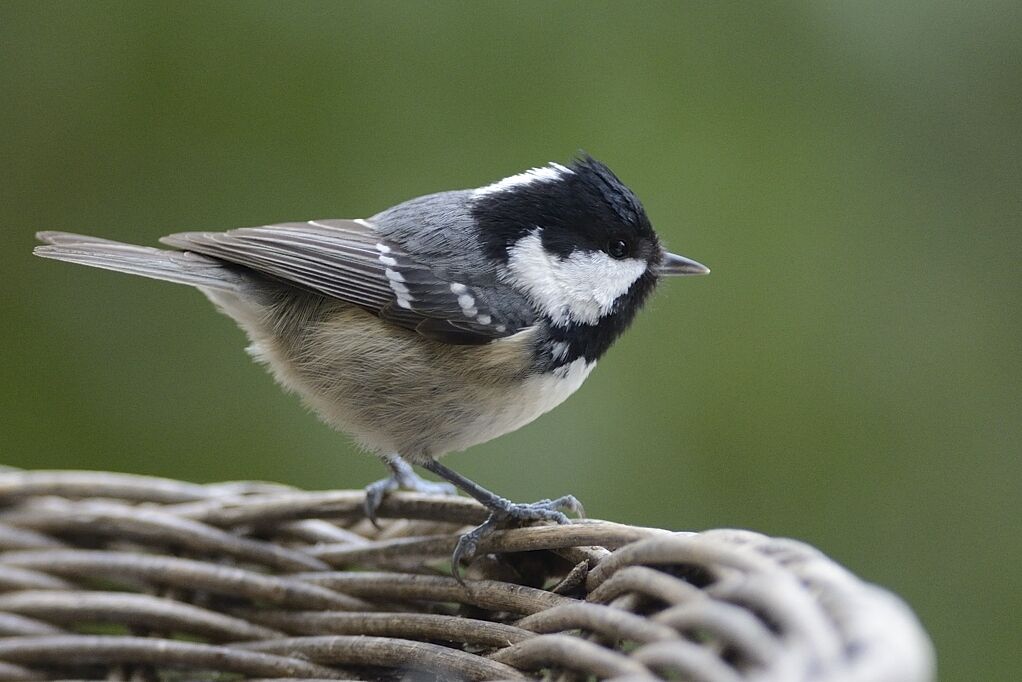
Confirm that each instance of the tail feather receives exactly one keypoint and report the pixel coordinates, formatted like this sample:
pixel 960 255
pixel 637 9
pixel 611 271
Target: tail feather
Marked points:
pixel 61 238
pixel 171 266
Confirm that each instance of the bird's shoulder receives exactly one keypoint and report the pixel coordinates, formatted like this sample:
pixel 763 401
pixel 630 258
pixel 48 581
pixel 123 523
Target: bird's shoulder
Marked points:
pixel 440 229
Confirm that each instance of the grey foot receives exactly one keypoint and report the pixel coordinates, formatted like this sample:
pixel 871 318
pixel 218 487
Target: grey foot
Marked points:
pixel 504 513
pixel 403 477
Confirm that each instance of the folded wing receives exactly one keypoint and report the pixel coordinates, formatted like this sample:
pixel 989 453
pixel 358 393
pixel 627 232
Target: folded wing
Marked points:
pixel 348 260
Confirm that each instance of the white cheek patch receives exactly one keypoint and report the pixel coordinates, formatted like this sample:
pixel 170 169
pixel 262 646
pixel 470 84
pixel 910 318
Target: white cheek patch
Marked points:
pixel 581 288
pixel 545 174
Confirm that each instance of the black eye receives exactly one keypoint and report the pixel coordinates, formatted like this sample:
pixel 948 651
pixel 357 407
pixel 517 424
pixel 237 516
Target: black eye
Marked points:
pixel 618 248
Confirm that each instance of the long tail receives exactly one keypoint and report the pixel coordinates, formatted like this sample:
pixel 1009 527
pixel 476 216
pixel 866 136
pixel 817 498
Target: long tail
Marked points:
pixel 172 266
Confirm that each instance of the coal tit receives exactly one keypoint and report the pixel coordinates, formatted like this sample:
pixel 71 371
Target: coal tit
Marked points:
pixel 438 324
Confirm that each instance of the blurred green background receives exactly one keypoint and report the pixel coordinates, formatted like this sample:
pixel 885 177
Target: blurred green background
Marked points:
pixel 849 375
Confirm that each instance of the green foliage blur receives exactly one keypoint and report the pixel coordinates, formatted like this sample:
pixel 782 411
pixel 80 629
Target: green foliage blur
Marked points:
pixel 849 375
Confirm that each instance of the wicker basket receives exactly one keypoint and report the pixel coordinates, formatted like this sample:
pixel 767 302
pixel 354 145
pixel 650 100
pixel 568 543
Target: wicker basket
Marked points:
pixel 112 576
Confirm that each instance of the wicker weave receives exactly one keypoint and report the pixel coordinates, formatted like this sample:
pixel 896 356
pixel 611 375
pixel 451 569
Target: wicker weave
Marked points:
pixel 112 576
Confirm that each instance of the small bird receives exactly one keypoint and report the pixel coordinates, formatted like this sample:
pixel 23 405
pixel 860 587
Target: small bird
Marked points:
pixel 435 325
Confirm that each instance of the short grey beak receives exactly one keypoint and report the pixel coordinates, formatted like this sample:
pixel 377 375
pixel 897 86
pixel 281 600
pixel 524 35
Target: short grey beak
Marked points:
pixel 673 264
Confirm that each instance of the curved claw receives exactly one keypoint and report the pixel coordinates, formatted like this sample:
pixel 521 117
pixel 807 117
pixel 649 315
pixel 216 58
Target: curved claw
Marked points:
pixel 469 543
pixel 375 492
pixel 506 513
pixel 569 503
pixel 403 478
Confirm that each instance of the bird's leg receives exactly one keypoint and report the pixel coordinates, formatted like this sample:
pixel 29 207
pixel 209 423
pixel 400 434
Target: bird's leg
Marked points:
pixel 502 512
pixel 402 477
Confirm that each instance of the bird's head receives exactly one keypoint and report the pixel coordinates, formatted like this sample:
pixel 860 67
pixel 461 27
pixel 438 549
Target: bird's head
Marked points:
pixel 576 241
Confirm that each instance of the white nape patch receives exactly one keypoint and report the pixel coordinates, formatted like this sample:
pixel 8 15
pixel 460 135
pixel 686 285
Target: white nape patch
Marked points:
pixel 394 278
pixel 581 288
pixel 547 173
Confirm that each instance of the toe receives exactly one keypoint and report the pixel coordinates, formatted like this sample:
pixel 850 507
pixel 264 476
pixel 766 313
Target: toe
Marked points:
pixel 468 543
pixel 430 488
pixel 503 513
pixel 445 489
pixel 570 503
pixel 545 514
pixel 544 510
pixel 463 551
pixel 374 497
pixel 411 481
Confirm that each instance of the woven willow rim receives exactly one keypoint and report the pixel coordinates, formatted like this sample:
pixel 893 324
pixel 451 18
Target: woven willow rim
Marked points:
pixel 115 576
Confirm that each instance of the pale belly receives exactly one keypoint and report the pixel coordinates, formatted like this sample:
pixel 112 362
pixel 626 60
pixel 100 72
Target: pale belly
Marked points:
pixel 394 391
pixel 535 396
